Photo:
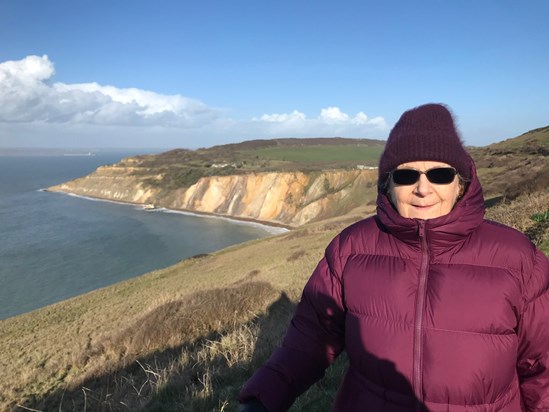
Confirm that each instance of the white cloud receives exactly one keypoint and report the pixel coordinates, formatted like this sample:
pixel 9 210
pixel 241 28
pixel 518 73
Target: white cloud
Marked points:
pixel 295 116
pixel 360 118
pixel 34 109
pixel 330 122
pixel 30 70
pixel 379 122
pixel 333 115
pixel 27 96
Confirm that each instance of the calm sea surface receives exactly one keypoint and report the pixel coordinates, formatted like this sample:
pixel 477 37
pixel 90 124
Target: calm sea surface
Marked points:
pixel 55 246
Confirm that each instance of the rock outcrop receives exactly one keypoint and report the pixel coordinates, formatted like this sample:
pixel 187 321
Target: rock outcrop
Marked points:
pixel 286 198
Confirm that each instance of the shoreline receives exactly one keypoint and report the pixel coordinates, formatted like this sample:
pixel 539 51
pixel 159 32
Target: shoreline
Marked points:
pixel 274 228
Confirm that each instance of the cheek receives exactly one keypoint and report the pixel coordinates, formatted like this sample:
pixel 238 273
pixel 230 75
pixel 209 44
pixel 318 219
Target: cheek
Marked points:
pixel 451 195
pixel 394 195
pixel 399 197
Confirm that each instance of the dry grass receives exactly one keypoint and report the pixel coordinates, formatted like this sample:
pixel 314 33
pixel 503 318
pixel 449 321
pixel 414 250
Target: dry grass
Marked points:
pixel 185 320
pixel 296 255
pixel 521 214
pixel 186 337
pixel 180 344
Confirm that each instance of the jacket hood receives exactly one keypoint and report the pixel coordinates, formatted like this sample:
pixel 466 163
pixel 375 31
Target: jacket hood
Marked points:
pixel 456 226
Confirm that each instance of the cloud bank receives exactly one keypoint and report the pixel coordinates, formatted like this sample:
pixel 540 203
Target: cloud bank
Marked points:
pixel 29 97
pixel 26 95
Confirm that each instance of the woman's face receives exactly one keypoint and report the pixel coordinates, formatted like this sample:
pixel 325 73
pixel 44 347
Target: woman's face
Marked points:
pixel 423 199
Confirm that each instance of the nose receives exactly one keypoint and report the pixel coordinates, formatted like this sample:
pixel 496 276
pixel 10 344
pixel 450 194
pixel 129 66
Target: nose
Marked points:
pixel 423 186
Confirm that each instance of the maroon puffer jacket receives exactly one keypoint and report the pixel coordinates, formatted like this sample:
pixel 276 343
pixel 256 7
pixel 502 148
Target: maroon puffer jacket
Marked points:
pixel 447 314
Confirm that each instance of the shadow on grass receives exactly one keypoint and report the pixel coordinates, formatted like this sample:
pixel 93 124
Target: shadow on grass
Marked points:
pixel 197 375
pixel 226 381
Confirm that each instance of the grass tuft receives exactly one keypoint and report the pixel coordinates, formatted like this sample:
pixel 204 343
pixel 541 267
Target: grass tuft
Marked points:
pixel 527 213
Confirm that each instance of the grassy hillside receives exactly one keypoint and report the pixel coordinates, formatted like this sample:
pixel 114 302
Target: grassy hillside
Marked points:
pixel 187 337
pixel 515 166
pixel 535 141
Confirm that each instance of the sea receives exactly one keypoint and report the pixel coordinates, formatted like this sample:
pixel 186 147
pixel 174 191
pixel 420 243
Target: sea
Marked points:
pixel 55 246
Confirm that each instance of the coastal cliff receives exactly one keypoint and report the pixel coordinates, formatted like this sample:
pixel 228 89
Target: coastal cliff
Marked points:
pixel 290 198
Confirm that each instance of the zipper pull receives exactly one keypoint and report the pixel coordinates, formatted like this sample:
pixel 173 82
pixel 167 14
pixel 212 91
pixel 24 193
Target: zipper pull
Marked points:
pixel 421 229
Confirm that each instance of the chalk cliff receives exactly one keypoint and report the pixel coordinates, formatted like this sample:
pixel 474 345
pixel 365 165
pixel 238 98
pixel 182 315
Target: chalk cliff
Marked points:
pixel 287 198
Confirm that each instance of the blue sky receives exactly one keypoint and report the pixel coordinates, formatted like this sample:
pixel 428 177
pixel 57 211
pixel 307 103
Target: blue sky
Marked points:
pixel 194 74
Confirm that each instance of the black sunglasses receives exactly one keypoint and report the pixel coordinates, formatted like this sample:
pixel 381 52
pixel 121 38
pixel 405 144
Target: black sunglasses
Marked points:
pixel 437 175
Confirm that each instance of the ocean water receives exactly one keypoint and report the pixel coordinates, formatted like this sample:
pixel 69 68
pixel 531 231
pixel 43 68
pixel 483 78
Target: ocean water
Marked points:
pixel 54 246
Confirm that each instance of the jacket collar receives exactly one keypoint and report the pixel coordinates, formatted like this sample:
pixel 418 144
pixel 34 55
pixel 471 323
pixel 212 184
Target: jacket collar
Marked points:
pixel 443 231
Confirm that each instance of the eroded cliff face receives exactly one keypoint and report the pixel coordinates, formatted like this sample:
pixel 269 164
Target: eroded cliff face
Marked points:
pixel 287 198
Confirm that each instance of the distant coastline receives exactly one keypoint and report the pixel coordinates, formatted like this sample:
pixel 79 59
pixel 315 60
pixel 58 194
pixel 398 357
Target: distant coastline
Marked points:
pixel 67 151
pixel 79 154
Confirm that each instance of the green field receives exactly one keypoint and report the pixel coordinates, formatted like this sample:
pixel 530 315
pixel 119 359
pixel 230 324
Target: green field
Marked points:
pixel 344 156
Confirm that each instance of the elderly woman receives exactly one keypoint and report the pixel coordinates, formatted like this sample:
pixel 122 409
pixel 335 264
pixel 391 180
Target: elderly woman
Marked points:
pixel 437 308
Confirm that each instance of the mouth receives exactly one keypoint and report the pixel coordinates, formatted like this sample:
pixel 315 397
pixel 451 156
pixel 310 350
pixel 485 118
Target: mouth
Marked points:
pixel 422 207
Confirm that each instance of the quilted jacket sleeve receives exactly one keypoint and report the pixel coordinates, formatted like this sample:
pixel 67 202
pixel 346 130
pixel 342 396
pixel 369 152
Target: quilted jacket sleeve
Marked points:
pixel 533 356
pixel 314 339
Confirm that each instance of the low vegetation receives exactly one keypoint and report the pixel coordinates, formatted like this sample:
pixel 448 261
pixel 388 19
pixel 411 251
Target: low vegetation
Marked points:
pixel 529 213
pixel 515 166
pixel 187 337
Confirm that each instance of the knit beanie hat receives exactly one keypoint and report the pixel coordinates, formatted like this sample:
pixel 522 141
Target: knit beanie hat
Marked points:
pixel 425 133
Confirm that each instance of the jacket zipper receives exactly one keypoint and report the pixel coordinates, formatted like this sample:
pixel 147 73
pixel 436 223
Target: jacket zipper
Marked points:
pixel 418 322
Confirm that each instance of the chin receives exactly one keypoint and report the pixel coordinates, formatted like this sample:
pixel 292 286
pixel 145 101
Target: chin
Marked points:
pixel 425 214
pixel 429 215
